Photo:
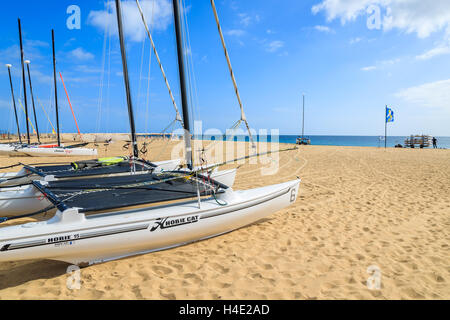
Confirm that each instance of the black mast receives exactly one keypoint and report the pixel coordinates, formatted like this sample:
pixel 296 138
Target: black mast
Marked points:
pixel 24 83
pixel 126 79
pixel 32 100
pixel 14 102
pixel 186 122
pixel 56 88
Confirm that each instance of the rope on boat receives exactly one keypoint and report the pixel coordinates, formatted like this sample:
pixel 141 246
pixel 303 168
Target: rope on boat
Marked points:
pixel 19 177
pixel 12 166
pixel 28 215
pixel 251 156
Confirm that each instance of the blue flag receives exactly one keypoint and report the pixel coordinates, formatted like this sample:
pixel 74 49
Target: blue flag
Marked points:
pixel 389 115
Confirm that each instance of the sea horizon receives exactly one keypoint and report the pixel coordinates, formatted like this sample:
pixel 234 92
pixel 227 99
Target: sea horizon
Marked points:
pixel 339 140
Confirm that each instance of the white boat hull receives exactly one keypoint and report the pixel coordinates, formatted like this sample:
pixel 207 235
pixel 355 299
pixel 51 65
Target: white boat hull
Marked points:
pixel 17 149
pixel 57 152
pixel 74 238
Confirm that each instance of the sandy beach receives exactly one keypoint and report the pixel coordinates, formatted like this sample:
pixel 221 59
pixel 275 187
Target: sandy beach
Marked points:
pixel 358 208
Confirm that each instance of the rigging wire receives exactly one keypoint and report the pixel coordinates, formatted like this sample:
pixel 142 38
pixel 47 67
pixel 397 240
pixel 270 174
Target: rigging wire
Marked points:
pixel 190 70
pixel 108 86
pixel 243 117
pixel 45 112
pixel 100 98
pixel 139 98
pixel 178 116
pixel 147 102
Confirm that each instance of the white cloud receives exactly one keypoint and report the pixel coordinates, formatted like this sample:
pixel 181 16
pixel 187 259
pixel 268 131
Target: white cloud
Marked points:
pixel 235 32
pixel 410 16
pixel 381 64
pixel 432 95
pixel 36 43
pixel 5 104
pixel 158 14
pixel 274 46
pixel 355 40
pixel 324 29
pixel 390 62
pixel 245 19
pixel 438 51
pixel 81 54
pixel 369 68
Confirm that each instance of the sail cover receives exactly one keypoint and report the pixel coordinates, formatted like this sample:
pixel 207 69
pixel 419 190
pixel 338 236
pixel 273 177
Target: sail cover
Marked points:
pixel 91 195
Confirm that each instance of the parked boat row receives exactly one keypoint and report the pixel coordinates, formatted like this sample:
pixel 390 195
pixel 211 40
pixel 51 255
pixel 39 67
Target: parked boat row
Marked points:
pixel 112 208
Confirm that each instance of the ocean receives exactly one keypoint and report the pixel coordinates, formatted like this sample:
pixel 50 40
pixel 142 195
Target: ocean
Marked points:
pixel 350 141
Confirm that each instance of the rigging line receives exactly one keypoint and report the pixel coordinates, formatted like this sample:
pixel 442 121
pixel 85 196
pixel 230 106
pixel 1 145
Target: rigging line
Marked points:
pixel 52 111
pixel 243 117
pixel 178 115
pixel 70 104
pixel 140 74
pixel 147 101
pixel 102 78
pixel 10 119
pixel 23 109
pixel 20 95
pixel 188 54
pixel 191 74
pixel 109 82
pixel 45 112
pixel 4 219
pixel 194 80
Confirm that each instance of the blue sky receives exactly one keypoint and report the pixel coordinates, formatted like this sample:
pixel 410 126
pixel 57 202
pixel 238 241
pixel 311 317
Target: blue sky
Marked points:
pixel 335 51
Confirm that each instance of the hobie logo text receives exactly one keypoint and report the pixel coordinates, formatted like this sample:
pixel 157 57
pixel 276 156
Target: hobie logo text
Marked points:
pixel 165 223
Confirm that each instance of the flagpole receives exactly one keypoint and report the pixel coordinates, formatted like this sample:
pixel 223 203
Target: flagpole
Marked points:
pixel 385 129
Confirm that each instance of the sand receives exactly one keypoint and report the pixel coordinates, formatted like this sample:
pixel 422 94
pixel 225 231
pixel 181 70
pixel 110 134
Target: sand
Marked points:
pixel 358 207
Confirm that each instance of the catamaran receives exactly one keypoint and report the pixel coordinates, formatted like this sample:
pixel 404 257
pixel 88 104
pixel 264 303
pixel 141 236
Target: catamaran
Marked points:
pixel 49 150
pixel 99 220
pixel 15 148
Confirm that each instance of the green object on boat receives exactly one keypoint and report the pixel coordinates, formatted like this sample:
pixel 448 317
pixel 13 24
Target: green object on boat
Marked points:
pixel 111 161
pixel 103 162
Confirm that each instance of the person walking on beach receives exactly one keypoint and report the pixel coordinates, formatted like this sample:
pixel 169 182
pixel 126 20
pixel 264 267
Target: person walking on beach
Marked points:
pixel 434 143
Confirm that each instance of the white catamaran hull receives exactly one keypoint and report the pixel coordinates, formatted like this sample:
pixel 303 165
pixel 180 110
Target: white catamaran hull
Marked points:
pixel 16 149
pixel 74 238
pixel 57 152
pixel 24 200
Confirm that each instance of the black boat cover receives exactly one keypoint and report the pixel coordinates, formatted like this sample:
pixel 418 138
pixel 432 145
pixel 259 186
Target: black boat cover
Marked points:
pixel 79 170
pixel 124 191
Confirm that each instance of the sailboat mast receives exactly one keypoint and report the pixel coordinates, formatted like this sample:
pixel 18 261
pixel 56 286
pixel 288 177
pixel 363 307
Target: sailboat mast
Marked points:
pixel 126 79
pixel 14 102
pixel 24 82
pixel 181 68
pixel 56 89
pixel 32 100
